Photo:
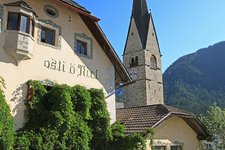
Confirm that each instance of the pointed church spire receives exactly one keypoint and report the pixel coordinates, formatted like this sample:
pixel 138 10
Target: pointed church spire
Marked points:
pixel 141 17
pixel 142 59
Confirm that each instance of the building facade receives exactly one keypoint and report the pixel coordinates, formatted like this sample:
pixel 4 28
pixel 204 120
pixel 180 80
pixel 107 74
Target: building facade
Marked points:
pixel 58 41
pixel 175 129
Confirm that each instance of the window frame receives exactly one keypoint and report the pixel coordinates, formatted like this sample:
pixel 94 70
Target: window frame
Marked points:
pixel 176 146
pixel 153 57
pixel 164 147
pixel 53 38
pixel 86 39
pixel 29 20
pixel 134 62
pixel 18 20
pixel 86 47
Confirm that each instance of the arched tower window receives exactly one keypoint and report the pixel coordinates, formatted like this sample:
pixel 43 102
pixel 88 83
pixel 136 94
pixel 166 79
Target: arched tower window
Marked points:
pixel 153 62
pixel 134 62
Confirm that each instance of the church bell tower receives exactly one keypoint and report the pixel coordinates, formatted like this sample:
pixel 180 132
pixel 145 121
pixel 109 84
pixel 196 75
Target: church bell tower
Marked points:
pixel 142 59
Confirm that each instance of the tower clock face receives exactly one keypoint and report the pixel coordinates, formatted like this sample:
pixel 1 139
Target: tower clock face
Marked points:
pixel 133 73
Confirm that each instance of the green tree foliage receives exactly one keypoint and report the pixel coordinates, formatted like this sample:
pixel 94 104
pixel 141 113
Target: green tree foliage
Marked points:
pixel 100 125
pixel 215 122
pixel 197 80
pixel 135 141
pixel 6 122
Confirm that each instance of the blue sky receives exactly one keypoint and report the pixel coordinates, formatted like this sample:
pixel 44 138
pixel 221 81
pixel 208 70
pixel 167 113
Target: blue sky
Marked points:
pixel 182 26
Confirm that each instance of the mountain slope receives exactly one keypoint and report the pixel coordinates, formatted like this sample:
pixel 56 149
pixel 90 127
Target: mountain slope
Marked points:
pixel 197 80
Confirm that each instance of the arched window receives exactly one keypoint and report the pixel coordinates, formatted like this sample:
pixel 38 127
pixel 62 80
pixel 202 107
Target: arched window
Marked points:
pixel 153 62
pixel 132 60
pixel 136 61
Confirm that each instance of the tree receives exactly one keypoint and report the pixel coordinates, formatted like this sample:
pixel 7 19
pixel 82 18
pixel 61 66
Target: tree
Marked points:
pixel 214 120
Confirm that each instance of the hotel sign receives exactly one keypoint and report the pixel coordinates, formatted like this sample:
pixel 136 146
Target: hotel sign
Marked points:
pixel 77 70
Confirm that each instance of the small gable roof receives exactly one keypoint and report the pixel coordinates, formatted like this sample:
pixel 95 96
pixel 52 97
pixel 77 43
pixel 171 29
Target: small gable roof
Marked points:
pixel 138 119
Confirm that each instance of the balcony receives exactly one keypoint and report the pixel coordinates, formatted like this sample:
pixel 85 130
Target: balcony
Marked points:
pixel 19 45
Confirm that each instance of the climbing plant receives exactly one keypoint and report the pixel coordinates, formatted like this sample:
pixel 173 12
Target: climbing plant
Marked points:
pixel 100 124
pixel 52 122
pixel 6 121
pixel 64 117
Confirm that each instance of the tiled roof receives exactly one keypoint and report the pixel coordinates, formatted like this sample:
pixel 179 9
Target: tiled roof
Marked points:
pixel 137 119
pixel 75 4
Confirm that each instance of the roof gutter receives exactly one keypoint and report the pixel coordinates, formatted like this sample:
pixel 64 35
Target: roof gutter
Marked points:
pixel 78 10
pixel 160 121
pixel 173 113
pixel 183 115
pixel 114 53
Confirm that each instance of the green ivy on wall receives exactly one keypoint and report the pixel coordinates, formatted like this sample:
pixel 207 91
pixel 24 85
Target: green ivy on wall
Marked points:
pixel 66 118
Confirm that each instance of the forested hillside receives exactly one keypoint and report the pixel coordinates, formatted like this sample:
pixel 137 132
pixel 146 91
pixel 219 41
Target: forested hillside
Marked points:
pixel 197 80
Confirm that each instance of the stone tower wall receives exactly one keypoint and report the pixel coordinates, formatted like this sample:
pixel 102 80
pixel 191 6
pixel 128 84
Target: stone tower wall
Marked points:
pixel 147 88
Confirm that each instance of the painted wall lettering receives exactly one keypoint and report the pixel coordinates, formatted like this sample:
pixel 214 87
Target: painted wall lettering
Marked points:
pixel 72 68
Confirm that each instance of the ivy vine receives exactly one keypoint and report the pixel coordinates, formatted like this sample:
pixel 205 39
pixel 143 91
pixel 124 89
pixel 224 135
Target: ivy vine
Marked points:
pixel 66 118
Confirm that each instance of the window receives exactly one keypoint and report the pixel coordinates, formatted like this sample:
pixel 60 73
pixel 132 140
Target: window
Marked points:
pixel 13 19
pixel 134 62
pixel 176 148
pixel 153 62
pixel 20 22
pixel 159 148
pixel 31 27
pixel 47 35
pixel 81 47
pixel 51 11
pixel 24 24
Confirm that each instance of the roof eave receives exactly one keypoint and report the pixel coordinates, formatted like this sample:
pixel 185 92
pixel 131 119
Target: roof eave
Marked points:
pixel 204 133
pixel 115 55
pixel 80 11
pixel 102 40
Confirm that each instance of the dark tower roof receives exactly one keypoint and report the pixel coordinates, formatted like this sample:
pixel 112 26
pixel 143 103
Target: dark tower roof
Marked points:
pixel 141 17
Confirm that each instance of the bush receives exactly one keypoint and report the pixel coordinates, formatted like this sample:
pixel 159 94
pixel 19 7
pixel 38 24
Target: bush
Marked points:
pixel 54 123
pixel 65 118
pixel 135 141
